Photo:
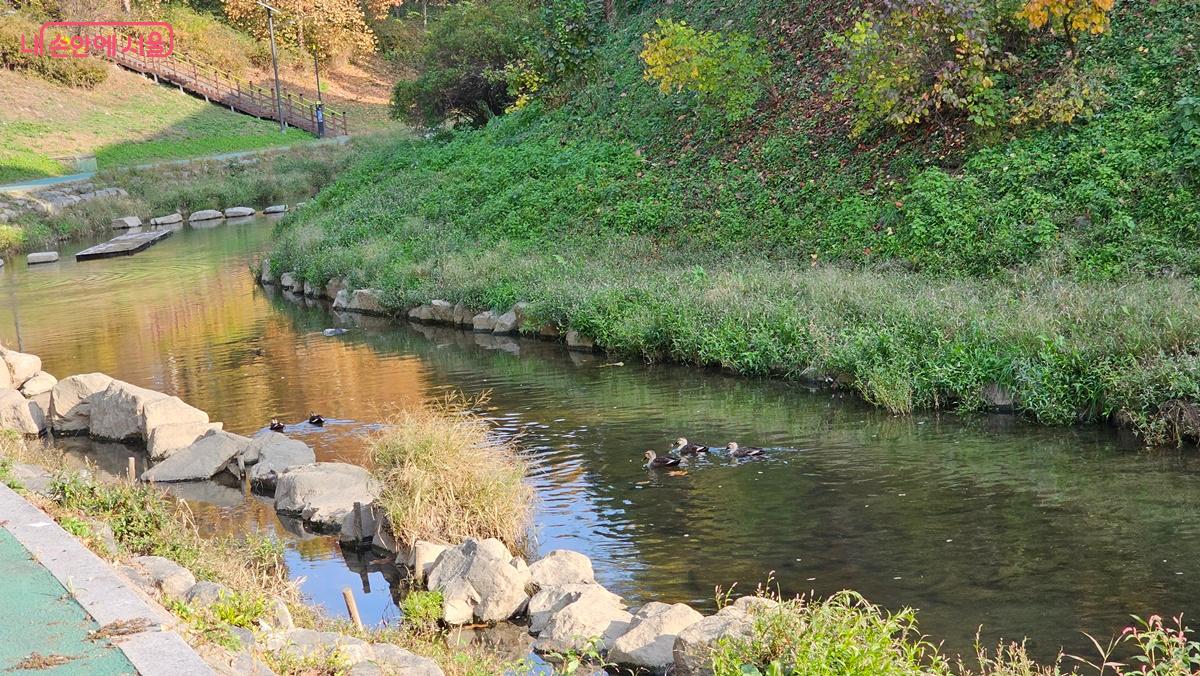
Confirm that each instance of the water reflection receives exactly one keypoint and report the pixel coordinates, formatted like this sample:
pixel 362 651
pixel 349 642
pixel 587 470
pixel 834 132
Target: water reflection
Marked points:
pixel 980 520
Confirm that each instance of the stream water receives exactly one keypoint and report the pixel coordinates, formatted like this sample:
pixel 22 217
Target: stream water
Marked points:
pixel 973 520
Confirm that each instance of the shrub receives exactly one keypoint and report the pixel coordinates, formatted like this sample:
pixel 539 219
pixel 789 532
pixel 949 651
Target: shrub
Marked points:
pixel 461 65
pixel 724 70
pixel 446 478
pixel 1072 16
pixel 422 610
pixel 570 33
pixel 921 60
pixel 11 238
pixel 1185 129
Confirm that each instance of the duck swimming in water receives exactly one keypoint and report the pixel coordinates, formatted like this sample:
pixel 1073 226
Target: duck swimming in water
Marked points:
pixel 736 451
pixel 654 461
pixel 682 447
pixel 275 425
pixel 315 419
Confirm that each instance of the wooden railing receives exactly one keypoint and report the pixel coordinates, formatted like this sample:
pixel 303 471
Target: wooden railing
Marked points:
pixel 217 85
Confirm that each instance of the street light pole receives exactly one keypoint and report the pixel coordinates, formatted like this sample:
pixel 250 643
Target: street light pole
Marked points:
pixel 275 64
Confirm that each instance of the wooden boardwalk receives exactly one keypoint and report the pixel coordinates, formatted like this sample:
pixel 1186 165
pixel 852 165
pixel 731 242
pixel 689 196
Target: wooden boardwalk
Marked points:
pixel 124 245
pixel 218 86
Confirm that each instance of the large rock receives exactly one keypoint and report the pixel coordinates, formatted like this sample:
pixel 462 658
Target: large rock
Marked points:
pixel 580 342
pixel 168 411
pixel 165 439
pixel 205 215
pixel 169 219
pixel 117 411
pixel 324 492
pixel 42 257
pixel 71 401
pixel 265 275
pixel 202 460
pixel 480 580
pixel 15 414
pixel 164 575
pixel 358 528
pixel 21 366
pixel 506 324
pixel 560 567
pixel 276 209
pixel 39 408
pixel 396 660
pixel 421 313
pixel 650 639
pixel 288 280
pixel 125 222
pixel 271 454
pixel 693 648
pixel 239 212
pixel 571 627
pixel 424 555
pixel 999 397
pixel 441 312
pixel 544 604
pixel 364 301
pixel 40 383
pixel 204 594
pixel 484 322
pixel 461 316
pixel 333 286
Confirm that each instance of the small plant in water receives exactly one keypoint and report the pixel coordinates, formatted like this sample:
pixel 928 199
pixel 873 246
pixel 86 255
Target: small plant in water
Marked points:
pixel 590 655
pixel 422 610
pixel 1164 649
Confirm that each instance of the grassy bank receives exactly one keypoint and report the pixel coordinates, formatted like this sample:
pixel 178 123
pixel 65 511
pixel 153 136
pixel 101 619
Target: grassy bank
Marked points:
pixel 273 178
pixel 917 268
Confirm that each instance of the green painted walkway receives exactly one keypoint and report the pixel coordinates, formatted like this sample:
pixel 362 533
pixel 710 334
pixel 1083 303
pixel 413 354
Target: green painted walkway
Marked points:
pixel 37 615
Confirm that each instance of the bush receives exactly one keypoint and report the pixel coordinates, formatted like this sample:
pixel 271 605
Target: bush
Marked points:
pixel 921 60
pixel 446 478
pixel 461 65
pixel 724 70
pixel 85 73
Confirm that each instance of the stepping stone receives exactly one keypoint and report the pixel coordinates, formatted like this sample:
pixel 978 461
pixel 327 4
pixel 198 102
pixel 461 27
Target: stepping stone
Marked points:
pixel 42 257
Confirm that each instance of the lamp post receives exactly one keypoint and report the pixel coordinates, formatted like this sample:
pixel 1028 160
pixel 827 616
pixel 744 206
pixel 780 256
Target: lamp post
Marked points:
pixel 274 64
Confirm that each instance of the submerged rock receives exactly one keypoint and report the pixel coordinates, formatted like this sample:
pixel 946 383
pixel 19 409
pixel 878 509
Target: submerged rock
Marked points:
pixel 71 401
pixel 202 460
pixel 479 580
pixel 650 639
pixel 271 454
pixel 324 492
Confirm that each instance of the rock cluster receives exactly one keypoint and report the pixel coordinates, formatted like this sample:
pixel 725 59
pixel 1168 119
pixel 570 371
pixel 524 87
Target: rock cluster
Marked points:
pixel 52 200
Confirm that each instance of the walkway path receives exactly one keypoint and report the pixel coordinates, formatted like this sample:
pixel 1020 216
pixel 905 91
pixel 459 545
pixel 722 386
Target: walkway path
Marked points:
pixel 56 592
pixel 39 183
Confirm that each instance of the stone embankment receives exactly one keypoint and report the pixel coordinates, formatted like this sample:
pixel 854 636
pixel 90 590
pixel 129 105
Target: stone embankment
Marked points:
pixel 480 581
pixel 49 201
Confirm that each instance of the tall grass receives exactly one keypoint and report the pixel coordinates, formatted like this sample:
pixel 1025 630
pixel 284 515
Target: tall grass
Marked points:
pixel 446 477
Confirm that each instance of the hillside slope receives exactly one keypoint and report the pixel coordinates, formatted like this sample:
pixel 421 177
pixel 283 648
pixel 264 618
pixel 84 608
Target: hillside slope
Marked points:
pixel 920 267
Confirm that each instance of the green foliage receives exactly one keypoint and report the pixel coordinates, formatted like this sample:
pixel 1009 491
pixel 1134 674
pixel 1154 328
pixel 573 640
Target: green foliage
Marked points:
pixel 11 238
pixel 239 610
pixel 919 61
pixel 1061 99
pixel 422 610
pixel 1185 129
pixel 85 73
pixel 724 70
pixel 461 65
pixel 136 514
pixel 843 634
pixel 587 659
pixel 570 34
pixel 1163 649
pixel 77 527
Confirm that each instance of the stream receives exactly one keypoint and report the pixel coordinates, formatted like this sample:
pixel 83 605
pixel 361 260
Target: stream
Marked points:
pixel 980 520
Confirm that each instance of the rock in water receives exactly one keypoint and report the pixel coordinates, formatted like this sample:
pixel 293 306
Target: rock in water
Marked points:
pixel 506 324
pixel 276 209
pixel 169 219
pixel 324 492
pixel 333 332
pixel 550 600
pixel 480 580
pixel 239 212
pixel 694 646
pixel 40 383
pixel 167 438
pixel 205 215
pixel 202 460
pixel 650 639
pixel 20 366
pixel 117 411
pixel 560 567
pixel 125 222
pixel 71 401
pixel 271 454
pixel 42 257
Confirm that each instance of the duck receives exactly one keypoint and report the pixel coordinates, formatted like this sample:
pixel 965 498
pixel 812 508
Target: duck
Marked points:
pixel 275 425
pixel 682 447
pixel 315 419
pixel 736 451
pixel 654 461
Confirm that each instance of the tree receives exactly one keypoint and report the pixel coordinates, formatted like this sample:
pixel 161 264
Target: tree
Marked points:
pixel 323 27
pixel 1073 16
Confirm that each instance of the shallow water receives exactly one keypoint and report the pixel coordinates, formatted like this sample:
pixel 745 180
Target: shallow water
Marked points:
pixel 977 520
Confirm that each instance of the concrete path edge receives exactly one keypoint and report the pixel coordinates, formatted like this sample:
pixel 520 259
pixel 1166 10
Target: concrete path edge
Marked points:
pixel 104 595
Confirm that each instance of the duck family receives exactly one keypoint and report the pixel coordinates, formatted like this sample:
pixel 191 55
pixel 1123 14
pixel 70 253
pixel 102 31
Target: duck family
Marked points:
pixel 683 448
pixel 313 419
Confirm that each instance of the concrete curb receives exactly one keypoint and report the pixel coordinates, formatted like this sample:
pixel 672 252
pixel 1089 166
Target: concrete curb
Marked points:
pixel 101 591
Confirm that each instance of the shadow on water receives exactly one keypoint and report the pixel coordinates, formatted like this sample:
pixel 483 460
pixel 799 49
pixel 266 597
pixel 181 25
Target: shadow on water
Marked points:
pixel 974 520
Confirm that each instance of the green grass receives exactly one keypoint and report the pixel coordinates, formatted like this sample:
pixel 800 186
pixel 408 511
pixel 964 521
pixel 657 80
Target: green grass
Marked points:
pixel 202 140
pixel 17 164
pixel 917 268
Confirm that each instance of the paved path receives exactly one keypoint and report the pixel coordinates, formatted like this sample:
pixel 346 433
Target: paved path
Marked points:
pixel 61 628
pixel 50 181
pixel 71 592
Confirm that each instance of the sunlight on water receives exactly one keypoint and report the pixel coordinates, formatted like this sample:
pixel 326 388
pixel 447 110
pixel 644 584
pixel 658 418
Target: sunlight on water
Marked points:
pixel 978 520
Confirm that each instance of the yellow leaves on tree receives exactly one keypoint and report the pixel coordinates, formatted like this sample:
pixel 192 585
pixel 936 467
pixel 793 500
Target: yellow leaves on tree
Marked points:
pixel 1073 16
pixel 322 27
